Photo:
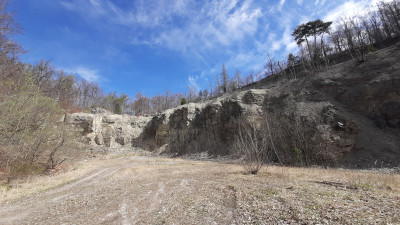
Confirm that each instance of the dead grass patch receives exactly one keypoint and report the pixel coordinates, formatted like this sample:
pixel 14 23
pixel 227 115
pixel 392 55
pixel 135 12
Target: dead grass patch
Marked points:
pixel 39 183
pixel 341 177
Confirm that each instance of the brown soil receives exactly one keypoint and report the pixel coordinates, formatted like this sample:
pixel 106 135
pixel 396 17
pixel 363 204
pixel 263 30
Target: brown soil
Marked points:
pixel 153 190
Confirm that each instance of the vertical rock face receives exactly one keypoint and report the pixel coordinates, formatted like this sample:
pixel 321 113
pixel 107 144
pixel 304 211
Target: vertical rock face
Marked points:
pixel 200 127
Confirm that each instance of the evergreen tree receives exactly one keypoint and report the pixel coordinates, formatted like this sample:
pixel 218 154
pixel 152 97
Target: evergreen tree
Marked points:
pixel 183 101
pixel 205 93
pixel 310 29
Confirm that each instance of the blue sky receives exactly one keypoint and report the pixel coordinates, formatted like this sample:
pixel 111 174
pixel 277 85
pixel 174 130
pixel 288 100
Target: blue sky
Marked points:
pixel 154 45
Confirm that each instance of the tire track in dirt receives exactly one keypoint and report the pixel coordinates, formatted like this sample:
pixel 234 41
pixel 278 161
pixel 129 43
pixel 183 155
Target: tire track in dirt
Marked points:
pixel 14 211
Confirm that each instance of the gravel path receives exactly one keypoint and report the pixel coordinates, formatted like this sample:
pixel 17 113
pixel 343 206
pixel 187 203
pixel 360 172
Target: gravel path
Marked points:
pixel 145 190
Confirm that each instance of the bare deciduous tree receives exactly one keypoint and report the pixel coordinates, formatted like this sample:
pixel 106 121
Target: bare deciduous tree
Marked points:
pixel 8 27
pixel 224 79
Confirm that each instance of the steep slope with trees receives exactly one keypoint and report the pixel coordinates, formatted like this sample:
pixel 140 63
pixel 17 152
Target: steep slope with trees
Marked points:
pixel 352 109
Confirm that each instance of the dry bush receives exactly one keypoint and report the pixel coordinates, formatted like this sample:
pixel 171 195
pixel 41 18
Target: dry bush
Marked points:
pixel 252 145
pixel 276 137
pixel 18 188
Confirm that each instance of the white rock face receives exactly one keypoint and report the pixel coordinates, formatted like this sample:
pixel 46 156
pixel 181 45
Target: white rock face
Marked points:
pixel 107 130
pixel 101 128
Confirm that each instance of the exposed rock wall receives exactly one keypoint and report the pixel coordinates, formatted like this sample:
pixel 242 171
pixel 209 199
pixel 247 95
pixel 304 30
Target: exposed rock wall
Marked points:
pixel 200 127
pixel 356 109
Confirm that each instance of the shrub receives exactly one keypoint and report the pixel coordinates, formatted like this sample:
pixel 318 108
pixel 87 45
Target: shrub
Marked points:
pixel 252 145
pixel 371 48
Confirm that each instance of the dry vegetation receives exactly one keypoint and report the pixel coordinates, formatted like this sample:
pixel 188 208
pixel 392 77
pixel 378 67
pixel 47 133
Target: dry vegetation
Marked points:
pixel 285 139
pixel 154 190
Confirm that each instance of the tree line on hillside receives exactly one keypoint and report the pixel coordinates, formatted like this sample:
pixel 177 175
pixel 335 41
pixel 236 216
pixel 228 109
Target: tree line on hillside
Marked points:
pixel 29 108
pixel 326 43
pixel 76 94
pixel 321 44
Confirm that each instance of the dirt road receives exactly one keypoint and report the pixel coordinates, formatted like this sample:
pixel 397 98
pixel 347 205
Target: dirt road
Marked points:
pixel 147 190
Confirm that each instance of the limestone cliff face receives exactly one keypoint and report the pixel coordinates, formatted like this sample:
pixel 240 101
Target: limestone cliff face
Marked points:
pixel 106 129
pixel 356 109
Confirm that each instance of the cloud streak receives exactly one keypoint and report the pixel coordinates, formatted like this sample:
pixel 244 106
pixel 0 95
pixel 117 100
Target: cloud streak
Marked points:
pixel 350 8
pixel 85 73
pixel 281 3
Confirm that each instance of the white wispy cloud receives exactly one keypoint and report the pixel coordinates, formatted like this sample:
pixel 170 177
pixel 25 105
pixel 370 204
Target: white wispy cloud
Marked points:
pixel 192 80
pixel 285 42
pixel 216 25
pixel 350 8
pixel 88 74
pixel 204 28
pixel 281 3
pixel 252 60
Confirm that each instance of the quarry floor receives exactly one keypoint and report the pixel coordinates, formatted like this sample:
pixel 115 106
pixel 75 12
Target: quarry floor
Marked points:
pixel 137 189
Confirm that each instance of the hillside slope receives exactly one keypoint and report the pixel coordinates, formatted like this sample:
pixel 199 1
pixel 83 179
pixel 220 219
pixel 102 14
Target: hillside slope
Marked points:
pixel 356 109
